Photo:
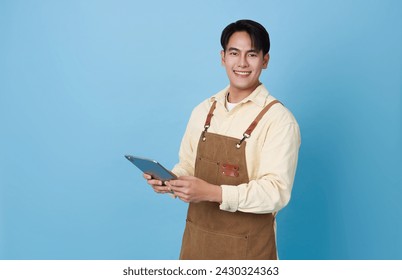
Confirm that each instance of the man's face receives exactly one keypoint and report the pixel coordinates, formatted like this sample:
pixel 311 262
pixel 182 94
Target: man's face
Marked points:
pixel 243 63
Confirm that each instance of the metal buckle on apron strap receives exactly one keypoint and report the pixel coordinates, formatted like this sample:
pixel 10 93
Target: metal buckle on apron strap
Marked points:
pixel 203 133
pixel 252 126
pixel 245 135
pixel 208 120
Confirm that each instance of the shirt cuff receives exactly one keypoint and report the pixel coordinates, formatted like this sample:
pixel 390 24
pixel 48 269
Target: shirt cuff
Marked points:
pixel 230 198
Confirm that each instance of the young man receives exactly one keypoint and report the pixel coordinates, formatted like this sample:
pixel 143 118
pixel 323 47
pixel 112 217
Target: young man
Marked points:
pixel 238 158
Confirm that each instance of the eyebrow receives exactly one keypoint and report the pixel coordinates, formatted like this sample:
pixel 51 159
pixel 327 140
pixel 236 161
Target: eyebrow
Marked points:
pixel 236 49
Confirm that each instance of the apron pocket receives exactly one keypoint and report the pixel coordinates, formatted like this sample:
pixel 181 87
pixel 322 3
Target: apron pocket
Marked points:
pixel 200 243
pixel 207 170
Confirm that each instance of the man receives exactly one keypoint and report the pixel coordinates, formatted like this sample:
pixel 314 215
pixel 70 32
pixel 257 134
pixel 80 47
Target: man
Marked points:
pixel 238 158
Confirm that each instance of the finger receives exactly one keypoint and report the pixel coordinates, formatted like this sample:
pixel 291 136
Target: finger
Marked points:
pixel 179 192
pixel 169 189
pixel 183 198
pixel 151 180
pixel 172 195
pixel 177 183
pixel 155 182
pixel 161 189
pixel 186 178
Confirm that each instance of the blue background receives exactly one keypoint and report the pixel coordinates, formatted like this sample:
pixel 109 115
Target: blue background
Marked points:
pixel 84 82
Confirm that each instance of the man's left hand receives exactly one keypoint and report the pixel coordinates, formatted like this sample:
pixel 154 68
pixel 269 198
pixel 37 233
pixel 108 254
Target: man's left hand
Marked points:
pixel 193 189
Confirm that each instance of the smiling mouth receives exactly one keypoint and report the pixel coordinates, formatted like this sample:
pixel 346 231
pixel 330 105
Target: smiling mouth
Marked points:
pixel 242 73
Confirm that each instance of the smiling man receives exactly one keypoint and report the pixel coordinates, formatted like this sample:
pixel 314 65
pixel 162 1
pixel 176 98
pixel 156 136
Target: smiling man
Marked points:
pixel 238 158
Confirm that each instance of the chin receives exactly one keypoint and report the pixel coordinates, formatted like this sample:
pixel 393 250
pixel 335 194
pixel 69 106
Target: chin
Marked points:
pixel 241 86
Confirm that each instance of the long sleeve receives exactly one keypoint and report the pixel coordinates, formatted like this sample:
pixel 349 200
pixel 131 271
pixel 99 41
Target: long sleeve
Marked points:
pixel 271 189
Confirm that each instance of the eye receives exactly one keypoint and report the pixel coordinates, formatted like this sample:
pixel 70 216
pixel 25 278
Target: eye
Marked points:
pixel 233 53
pixel 252 55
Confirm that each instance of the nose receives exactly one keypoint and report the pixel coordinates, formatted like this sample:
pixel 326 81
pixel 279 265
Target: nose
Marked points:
pixel 243 61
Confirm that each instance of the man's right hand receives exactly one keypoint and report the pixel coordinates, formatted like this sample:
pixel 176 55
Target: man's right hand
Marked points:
pixel 157 185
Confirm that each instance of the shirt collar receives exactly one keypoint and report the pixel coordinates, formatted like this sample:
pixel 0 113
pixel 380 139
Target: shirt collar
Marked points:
pixel 258 96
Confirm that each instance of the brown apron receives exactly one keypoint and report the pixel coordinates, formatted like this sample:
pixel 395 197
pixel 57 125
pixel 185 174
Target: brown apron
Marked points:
pixel 212 233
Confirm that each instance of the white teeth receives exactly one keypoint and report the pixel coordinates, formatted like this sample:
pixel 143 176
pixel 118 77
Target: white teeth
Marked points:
pixel 244 73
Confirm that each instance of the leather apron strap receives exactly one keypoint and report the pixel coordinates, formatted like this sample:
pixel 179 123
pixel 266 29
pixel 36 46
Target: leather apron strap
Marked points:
pixel 252 126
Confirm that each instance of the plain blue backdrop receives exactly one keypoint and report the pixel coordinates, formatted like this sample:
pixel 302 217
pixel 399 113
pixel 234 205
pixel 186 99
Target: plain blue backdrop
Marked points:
pixel 84 82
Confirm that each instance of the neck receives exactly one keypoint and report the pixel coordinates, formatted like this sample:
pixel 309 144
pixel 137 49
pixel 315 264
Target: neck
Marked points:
pixel 236 95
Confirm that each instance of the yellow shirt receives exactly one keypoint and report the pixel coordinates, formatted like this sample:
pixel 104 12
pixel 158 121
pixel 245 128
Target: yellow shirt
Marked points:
pixel 271 151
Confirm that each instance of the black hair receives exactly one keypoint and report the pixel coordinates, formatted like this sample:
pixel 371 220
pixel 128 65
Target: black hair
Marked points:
pixel 258 34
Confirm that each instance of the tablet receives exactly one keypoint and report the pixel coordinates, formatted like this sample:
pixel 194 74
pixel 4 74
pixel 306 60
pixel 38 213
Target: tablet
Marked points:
pixel 152 167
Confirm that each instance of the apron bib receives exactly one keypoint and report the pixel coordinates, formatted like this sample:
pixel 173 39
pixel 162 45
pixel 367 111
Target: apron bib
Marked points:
pixel 212 233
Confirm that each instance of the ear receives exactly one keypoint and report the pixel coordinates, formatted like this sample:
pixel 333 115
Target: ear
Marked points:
pixel 265 61
pixel 222 57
